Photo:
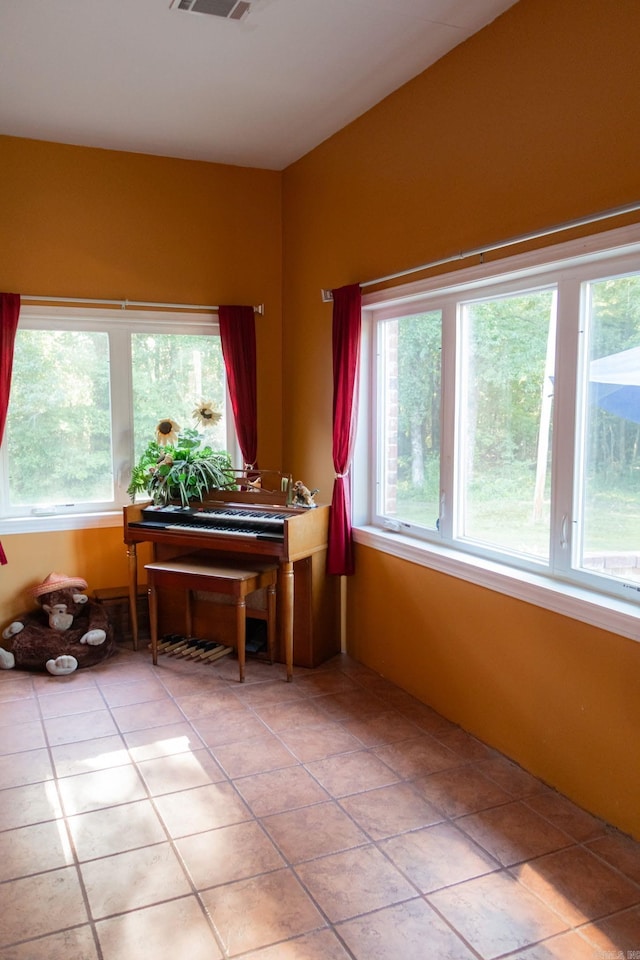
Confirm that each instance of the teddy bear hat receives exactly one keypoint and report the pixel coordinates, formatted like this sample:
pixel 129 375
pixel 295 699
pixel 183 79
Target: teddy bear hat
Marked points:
pixel 58 581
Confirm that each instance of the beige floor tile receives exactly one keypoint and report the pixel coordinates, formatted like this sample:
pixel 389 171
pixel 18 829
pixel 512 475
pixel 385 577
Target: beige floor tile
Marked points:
pixel 103 788
pixel 101 834
pixel 136 878
pixel 270 692
pixel 261 911
pixel 200 809
pixel 620 851
pixel 577 885
pixel 320 945
pixel 579 824
pixel 513 833
pixel 195 705
pixel 18 711
pixel 495 914
pixel 162 741
pixel 28 767
pixel 82 726
pixel 74 944
pixel 416 758
pixel 318 682
pixel 181 771
pixel 34 906
pixel 230 727
pixel 351 773
pixel 24 736
pixel 167 931
pixel 381 729
pixel 258 755
pixel 462 743
pixel 319 741
pixel 295 713
pixel 438 856
pixel 15 686
pixel 278 790
pixel 141 716
pixel 222 856
pixel 313 831
pixel 34 849
pixel 138 691
pixel 618 934
pixel 353 882
pixel 566 946
pixel 87 756
pixel 32 803
pixel 69 702
pixel 390 810
pixel 511 777
pixel 352 705
pixel 411 931
pixel 461 790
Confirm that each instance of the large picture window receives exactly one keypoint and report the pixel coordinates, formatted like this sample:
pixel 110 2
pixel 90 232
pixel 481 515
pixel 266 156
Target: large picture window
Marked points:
pixel 87 390
pixel 504 403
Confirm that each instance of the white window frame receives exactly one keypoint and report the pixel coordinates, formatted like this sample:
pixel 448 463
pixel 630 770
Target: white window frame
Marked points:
pixel 556 587
pixel 119 324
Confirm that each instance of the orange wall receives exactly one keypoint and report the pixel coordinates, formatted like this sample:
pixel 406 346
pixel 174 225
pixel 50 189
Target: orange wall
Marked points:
pixel 96 223
pixel 531 122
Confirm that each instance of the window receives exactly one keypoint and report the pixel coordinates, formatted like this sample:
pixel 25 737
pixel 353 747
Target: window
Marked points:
pixel 504 405
pixel 88 388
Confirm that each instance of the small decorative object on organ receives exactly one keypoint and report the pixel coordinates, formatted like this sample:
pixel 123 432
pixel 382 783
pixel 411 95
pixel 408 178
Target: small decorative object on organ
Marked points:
pixel 302 496
pixel 67 630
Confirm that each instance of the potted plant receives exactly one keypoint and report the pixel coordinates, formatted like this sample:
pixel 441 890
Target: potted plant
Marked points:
pixel 179 465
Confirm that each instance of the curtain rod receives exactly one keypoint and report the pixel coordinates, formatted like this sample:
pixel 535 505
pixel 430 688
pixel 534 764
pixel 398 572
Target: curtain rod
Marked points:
pixel 327 295
pixel 145 304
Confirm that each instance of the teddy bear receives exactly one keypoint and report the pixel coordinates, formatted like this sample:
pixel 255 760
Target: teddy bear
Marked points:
pixel 66 631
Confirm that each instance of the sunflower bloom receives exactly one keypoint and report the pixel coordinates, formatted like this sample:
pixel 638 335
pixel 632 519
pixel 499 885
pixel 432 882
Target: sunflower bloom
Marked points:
pixel 206 414
pixel 167 432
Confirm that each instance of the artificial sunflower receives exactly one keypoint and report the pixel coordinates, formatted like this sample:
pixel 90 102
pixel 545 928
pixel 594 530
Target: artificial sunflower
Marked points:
pixel 167 432
pixel 206 414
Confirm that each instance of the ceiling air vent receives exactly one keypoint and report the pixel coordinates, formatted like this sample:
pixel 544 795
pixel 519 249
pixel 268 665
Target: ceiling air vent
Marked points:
pixel 227 9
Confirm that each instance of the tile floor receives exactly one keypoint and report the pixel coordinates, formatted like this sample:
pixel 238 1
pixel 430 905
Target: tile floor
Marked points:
pixel 175 814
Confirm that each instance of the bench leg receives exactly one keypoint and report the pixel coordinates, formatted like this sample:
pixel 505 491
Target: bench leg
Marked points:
pixel 189 614
pixel 153 619
pixel 241 633
pixel 271 621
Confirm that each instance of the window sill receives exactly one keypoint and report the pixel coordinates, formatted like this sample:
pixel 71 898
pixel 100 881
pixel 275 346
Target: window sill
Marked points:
pixel 596 609
pixel 60 522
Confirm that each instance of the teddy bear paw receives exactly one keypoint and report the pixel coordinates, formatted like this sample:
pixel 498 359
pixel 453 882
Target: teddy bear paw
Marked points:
pixel 12 629
pixel 62 665
pixel 94 638
pixel 7 660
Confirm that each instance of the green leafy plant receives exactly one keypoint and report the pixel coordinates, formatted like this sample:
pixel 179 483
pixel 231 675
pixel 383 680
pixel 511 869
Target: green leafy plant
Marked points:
pixel 182 467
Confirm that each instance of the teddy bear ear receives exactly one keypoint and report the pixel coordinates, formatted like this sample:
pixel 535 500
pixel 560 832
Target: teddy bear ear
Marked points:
pixel 80 598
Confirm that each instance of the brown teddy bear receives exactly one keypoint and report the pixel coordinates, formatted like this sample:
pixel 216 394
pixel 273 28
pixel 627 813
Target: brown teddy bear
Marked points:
pixel 66 631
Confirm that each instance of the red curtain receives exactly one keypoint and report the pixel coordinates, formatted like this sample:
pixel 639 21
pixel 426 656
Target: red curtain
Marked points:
pixel 238 336
pixel 9 313
pixel 347 304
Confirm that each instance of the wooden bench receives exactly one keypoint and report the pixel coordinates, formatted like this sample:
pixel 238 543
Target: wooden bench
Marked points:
pixel 231 577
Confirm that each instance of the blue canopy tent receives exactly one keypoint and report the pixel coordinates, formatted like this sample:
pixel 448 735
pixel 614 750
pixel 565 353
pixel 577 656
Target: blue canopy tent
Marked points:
pixel 615 383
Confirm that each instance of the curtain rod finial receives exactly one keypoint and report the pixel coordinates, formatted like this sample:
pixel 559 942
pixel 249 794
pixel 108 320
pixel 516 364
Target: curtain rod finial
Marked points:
pixel 327 296
pixel 259 309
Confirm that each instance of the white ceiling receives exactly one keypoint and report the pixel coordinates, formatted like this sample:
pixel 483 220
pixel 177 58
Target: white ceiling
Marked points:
pixel 136 75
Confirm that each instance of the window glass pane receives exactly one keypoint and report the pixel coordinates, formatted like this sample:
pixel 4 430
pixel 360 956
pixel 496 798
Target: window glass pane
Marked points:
pixel 505 398
pixel 409 419
pixel 59 419
pixel 171 375
pixel 610 542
